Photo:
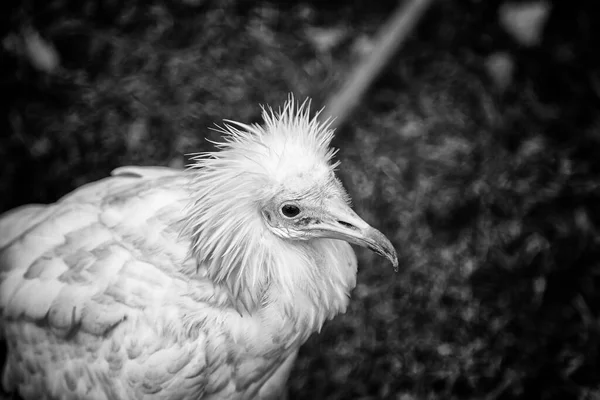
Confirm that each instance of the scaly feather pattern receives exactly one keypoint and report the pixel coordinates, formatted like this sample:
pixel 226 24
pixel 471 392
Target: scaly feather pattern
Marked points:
pixel 164 284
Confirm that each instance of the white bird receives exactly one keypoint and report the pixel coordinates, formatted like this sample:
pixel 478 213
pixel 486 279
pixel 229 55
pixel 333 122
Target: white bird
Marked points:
pixel 157 283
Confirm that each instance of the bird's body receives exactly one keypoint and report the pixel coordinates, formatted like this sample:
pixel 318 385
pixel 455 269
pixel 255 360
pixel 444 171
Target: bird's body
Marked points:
pixel 164 284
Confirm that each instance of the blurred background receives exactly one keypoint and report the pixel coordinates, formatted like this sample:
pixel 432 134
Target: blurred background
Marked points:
pixel 476 150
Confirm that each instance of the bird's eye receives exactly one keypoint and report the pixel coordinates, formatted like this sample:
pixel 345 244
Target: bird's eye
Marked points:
pixel 290 210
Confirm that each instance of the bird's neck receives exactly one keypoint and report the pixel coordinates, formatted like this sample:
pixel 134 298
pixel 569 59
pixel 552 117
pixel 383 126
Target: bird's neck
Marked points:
pixel 300 283
pixel 306 282
pixel 313 283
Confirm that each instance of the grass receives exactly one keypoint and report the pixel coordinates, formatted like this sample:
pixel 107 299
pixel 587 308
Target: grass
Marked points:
pixel 490 196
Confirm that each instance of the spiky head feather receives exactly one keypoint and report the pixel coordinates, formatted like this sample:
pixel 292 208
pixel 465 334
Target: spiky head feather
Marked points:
pixel 289 153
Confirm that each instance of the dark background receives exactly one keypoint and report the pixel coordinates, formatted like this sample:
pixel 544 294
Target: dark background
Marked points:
pixel 489 191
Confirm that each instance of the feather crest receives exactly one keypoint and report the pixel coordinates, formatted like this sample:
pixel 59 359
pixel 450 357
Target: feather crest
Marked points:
pixel 225 223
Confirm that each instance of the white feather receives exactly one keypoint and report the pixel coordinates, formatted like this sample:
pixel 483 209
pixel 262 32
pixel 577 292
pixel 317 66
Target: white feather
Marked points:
pixel 120 291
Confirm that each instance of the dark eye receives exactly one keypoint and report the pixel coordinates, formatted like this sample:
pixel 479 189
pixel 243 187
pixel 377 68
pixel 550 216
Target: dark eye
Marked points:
pixel 290 210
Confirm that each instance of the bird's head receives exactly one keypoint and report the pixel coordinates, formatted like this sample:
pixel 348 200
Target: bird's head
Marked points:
pixel 309 202
pixel 273 182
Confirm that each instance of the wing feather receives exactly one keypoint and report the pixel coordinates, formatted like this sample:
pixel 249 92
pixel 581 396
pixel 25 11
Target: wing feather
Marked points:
pixel 33 299
pixel 145 172
pixel 14 222
pixel 100 299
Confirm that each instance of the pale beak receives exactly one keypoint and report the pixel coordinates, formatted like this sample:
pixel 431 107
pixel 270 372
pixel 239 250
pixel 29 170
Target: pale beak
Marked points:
pixel 339 221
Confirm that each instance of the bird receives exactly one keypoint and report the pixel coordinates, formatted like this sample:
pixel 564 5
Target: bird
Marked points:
pixel 193 283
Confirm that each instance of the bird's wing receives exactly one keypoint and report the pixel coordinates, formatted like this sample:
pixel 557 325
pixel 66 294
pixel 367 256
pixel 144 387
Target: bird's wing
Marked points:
pixel 145 172
pixel 14 222
pixel 17 221
pixel 86 239
pixel 95 299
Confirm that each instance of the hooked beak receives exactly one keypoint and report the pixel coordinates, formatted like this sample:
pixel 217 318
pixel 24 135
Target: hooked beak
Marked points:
pixel 341 222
